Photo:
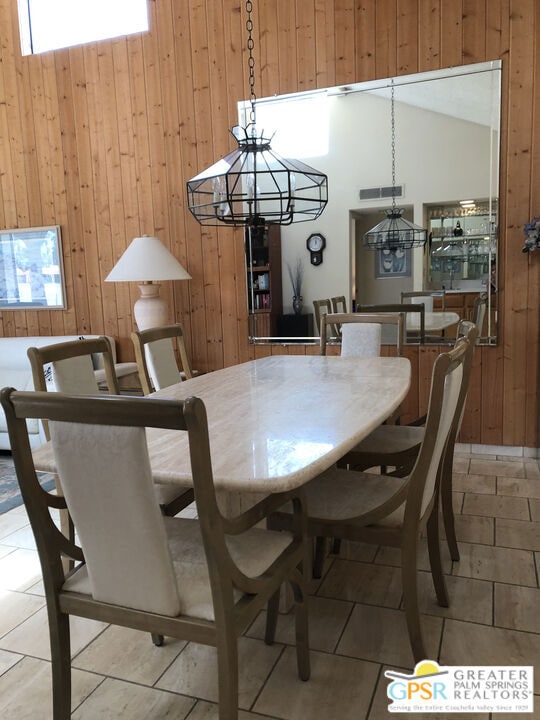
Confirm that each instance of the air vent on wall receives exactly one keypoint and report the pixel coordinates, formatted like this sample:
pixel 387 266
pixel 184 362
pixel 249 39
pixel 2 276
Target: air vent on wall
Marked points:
pixel 380 193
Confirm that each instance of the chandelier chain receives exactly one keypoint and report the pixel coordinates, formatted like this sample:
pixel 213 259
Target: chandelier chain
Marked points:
pixel 393 123
pixel 251 61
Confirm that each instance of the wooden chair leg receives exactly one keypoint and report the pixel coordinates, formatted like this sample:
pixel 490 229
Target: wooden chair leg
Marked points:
pixel 410 598
pixel 319 556
pixel 227 651
pixel 302 638
pixel 272 612
pixel 447 507
pixel 61 664
pixel 434 550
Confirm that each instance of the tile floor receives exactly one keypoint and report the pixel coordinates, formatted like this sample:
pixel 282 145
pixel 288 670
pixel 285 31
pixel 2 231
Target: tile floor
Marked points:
pixel 357 624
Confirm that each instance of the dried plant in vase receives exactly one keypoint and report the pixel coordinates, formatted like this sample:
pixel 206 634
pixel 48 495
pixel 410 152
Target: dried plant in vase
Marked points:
pixel 296 276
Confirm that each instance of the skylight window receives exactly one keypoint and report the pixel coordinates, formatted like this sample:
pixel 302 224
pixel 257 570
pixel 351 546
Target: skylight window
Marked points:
pixel 52 24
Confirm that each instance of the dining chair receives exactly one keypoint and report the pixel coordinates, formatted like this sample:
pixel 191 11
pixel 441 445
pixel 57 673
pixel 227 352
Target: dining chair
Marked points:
pixel 321 308
pixel 406 308
pixel 392 511
pixel 202 580
pixel 398 446
pixel 156 358
pixel 479 312
pixel 339 304
pixel 68 368
pixel 361 333
pixel 427 297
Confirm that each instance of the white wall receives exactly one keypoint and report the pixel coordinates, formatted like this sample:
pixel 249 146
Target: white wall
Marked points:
pixel 438 159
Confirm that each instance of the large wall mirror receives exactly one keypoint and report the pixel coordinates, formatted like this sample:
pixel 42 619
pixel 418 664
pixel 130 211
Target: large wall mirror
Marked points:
pixel 447 131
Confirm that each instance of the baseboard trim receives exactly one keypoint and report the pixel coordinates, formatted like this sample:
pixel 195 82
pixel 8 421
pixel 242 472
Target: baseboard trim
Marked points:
pixel 507 450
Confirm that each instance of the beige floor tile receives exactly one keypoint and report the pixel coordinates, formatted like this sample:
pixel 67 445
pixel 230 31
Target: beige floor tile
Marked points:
pixel 22 538
pixel 339 688
pixel 472 529
pixel 15 608
pixel 7 660
pixel 470 599
pixel 500 468
pixel 26 691
pixel 534 506
pixel 379 709
pixel 11 521
pixel 517 534
pixel 457 501
pixel 380 635
pixel 537 560
pixel 518 487
pixel 474 483
pixel 517 607
pixel 128 655
pixel 363 582
pixel 209 711
pixel 392 556
pixel 36 589
pixel 5 550
pixel 19 570
pixel 327 618
pixel 461 464
pixel 495 563
pixel 516 508
pixel 362 552
pixel 467 643
pixel 125 701
pixel 194 672
pixel 32 636
pixel 532 469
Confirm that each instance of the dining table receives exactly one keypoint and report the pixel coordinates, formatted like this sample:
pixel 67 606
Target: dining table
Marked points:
pixel 434 321
pixel 274 423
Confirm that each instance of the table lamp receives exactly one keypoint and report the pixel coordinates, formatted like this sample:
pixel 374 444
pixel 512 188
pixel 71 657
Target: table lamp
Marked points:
pixel 147 261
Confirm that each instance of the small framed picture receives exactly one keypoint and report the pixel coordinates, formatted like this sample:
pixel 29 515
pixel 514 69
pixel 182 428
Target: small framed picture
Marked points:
pixel 392 263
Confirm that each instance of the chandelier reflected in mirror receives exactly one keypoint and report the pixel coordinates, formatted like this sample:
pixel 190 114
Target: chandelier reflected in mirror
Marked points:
pixel 394 231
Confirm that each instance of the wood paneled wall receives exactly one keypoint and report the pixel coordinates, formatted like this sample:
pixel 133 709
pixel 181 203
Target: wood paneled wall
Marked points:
pixel 101 140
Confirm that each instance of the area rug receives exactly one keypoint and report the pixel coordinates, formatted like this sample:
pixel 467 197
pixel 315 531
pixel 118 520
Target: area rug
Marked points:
pixel 10 495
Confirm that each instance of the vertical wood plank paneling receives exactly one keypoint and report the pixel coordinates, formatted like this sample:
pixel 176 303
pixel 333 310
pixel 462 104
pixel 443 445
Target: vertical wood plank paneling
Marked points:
pixel 386 38
pixel 305 45
pixel 409 25
pixel 325 44
pixel 474 35
pixel 518 178
pixel 429 34
pixel 451 33
pixel 287 81
pixel 101 140
pixel 345 41
pixel 365 39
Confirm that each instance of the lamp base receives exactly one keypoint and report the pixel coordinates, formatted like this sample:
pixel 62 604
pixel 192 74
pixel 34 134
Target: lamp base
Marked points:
pixel 150 310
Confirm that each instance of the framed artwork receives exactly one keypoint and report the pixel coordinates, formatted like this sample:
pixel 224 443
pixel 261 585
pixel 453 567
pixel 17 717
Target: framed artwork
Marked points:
pixel 392 263
pixel 31 269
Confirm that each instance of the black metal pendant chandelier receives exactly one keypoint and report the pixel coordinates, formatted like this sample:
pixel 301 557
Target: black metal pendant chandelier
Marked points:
pixel 394 231
pixel 253 185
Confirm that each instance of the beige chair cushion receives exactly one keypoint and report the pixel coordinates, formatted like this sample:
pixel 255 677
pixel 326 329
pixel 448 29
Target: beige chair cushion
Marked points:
pixel 75 376
pixel 253 552
pixel 161 363
pixel 361 339
pixel 113 504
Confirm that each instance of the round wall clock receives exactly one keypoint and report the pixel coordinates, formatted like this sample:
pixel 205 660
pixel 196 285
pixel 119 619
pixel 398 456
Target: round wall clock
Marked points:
pixel 316 244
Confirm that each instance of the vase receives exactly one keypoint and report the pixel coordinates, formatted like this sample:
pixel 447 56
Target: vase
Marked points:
pixel 297 304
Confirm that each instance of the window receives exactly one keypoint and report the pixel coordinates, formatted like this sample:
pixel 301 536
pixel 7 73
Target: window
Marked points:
pixel 52 24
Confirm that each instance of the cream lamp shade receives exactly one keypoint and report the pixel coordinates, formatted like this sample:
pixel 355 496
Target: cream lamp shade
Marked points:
pixel 147 261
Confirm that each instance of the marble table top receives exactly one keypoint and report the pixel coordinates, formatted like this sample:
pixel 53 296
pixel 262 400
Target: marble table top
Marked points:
pixel 276 422
pixel 433 321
